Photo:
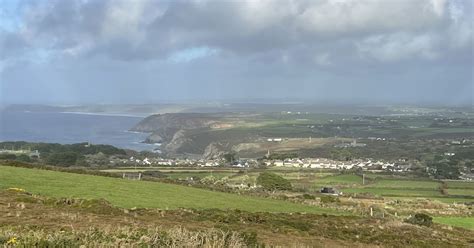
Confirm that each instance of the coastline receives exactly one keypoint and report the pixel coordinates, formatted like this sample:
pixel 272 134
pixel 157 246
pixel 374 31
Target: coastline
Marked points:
pixel 106 114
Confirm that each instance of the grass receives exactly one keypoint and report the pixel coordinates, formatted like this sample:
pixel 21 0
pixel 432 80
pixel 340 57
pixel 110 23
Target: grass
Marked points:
pixel 128 194
pixel 448 200
pixel 461 192
pixel 465 222
pixel 184 175
pixel 405 184
pixel 395 192
pixel 348 179
pixel 460 185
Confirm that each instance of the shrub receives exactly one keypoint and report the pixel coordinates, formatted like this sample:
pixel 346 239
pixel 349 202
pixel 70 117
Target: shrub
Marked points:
pixel 23 158
pixel 308 197
pixel 8 156
pixel 62 158
pixel 420 219
pixel 329 199
pixel 272 181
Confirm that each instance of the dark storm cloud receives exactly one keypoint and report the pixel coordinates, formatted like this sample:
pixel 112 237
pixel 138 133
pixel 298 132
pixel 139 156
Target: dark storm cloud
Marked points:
pixel 328 49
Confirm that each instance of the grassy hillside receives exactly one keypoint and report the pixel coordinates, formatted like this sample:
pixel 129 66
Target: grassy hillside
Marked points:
pixel 465 222
pixel 128 194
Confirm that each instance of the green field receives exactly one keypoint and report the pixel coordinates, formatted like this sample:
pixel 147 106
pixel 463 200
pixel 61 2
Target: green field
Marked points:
pixel 406 184
pixel 461 192
pixel 185 175
pixel 460 185
pixel 465 222
pixel 400 188
pixel 349 179
pixel 128 194
pixel 395 192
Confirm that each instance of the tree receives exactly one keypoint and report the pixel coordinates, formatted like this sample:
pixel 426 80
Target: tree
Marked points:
pixel 23 158
pixel 271 181
pixel 8 156
pixel 229 157
pixel 420 219
pixel 62 158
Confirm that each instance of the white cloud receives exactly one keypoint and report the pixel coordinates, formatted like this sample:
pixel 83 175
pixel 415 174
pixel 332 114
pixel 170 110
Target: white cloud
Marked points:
pixel 323 59
pixel 399 46
pixel 387 30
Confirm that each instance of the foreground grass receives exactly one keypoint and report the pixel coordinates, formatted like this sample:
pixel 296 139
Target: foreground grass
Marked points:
pixel 465 222
pixel 128 194
pixel 40 221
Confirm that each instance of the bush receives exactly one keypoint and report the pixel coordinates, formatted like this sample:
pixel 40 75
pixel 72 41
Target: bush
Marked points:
pixel 308 197
pixel 8 156
pixel 272 181
pixel 420 219
pixel 329 199
pixel 23 158
pixel 63 158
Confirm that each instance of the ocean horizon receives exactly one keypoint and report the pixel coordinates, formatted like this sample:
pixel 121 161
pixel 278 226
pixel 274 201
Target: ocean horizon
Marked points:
pixel 73 127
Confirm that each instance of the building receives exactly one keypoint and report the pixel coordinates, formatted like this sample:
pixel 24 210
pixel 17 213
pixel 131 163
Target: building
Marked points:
pixel 329 191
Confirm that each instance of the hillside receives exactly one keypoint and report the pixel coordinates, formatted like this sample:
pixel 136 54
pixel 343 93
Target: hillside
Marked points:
pixel 253 134
pixel 129 194
pixel 28 220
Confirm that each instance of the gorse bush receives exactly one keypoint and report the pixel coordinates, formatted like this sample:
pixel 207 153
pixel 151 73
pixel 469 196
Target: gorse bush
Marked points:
pixel 125 237
pixel 271 181
pixel 420 219
pixel 329 199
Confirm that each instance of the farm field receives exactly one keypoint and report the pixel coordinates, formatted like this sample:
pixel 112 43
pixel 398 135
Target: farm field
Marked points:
pixel 129 194
pixel 348 179
pixel 460 185
pixel 97 224
pixel 395 192
pixel 167 169
pixel 185 175
pixel 406 184
pixel 399 188
pixel 465 222
pixel 461 192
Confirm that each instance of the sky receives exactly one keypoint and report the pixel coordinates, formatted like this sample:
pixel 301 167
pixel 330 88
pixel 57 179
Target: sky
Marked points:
pixel 151 51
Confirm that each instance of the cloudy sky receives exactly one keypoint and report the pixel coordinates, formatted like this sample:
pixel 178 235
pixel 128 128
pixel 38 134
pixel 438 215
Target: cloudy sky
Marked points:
pixel 144 51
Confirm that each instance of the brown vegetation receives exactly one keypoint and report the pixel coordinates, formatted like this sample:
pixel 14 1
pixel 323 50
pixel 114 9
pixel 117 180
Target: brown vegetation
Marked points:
pixel 27 217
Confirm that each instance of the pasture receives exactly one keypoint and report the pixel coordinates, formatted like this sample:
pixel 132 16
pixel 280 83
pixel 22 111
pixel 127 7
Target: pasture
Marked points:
pixel 399 188
pixel 465 222
pixel 143 194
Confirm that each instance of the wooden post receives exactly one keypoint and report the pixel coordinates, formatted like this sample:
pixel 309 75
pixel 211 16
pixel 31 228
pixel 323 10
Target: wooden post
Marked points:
pixel 123 175
pixel 363 179
pixel 140 176
pixel 371 212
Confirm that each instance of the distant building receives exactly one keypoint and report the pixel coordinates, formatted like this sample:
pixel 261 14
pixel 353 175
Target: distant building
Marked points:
pixel 329 190
pixel 35 153
pixel 352 144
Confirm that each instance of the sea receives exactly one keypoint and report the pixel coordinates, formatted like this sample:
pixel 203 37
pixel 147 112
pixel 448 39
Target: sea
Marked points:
pixel 69 128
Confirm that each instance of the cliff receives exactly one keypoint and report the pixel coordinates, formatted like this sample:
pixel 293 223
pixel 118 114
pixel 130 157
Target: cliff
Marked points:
pixel 175 121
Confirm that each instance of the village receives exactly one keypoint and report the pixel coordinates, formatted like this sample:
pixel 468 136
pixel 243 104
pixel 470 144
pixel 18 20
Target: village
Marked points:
pixel 401 165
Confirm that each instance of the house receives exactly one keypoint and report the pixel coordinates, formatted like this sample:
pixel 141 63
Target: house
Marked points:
pixel 278 163
pixel 146 161
pixel 35 154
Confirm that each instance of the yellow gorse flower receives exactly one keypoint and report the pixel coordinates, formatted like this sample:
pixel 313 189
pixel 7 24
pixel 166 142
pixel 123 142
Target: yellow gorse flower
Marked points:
pixel 17 189
pixel 11 241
